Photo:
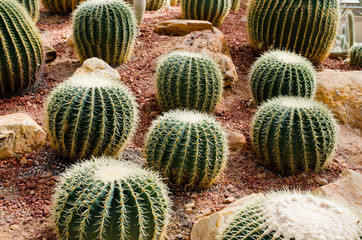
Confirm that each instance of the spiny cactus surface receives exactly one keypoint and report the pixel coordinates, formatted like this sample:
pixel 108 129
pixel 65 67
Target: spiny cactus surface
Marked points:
pixel 213 11
pixel 32 7
pixel 61 6
pixel 355 55
pixel 90 115
pixel 110 35
pixel 188 80
pixel 235 5
pixel 110 199
pixel 21 51
pixel 188 148
pixel 293 216
pixel 153 5
pixel 301 26
pixel 281 73
pixel 292 134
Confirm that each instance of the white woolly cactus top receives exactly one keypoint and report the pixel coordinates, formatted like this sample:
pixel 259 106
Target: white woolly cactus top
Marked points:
pixel 99 2
pixel 93 80
pixel 296 103
pixel 286 57
pixel 188 116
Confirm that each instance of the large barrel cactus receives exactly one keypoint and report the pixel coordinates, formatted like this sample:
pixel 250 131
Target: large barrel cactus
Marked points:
pixel 355 55
pixel 293 215
pixel 61 6
pixel 188 148
pixel 32 6
pixel 109 36
pixel 90 115
pixel 153 5
pixel 110 199
pixel 21 51
pixel 292 134
pixel 280 73
pixel 213 11
pixel 302 26
pixel 188 80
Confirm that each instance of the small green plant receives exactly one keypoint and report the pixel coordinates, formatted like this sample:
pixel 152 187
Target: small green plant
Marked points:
pixel 281 73
pixel 109 36
pixel 355 55
pixel 61 6
pixel 153 5
pixel 110 199
pixel 346 40
pixel 213 11
pixel 90 115
pixel 188 148
pixel 188 80
pixel 292 215
pixel 32 7
pixel 301 26
pixel 292 134
pixel 235 5
pixel 21 51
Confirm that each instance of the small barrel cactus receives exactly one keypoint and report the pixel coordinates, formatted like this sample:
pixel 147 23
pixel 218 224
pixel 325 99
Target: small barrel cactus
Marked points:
pixel 292 134
pixel 153 5
pixel 187 148
pixel 188 80
pixel 109 199
pixel 235 5
pixel 32 7
pixel 301 26
pixel 90 115
pixel 280 73
pixel 355 55
pixel 61 6
pixel 109 36
pixel 213 11
pixel 292 215
pixel 22 53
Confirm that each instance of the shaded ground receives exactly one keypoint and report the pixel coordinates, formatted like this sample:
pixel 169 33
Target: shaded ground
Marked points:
pixel 25 190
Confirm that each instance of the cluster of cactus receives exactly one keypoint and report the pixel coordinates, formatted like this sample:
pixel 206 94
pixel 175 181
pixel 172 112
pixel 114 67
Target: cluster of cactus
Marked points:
pixel 21 53
pixel 90 115
pixel 292 134
pixel 32 7
pixel 153 5
pixel 301 26
pixel 280 73
pixel 213 11
pixel 292 215
pixel 188 148
pixel 346 40
pixel 61 6
pixel 109 36
pixel 188 80
pixel 355 55
pixel 110 199
pixel 235 5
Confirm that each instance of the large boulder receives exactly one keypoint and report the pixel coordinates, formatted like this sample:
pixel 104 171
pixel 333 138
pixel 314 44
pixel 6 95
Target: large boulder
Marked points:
pixel 342 92
pixel 19 134
pixel 347 189
pixel 181 27
pixel 99 67
pixel 212 226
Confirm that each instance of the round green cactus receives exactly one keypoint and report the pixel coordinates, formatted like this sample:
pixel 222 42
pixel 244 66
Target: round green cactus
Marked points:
pixel 109 199
pixel 90 115
pixel 188 80
pixel 355 55
pixel 293 215
pixel 280 73
pixel 292 134
pixel 235 5
pixel 301 26
pixel 61 6
pixel 187 147
pixel 109 36
pixel 213 11
pixel 21 52
pixel 32 7
pixel 153 5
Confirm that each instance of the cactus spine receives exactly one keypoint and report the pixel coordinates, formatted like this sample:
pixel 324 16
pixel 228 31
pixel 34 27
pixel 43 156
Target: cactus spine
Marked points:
pixel 355 55
pixel 153 5
pixel 90 115
pixel 280 73
pixel 32 7
pixel 235 5
pixel 293 215
pixel 188 80
pixel 109 199
pixel 292 134
pixel 187 148
pixel 301 26
pixel 61 6
pixel 21 52
pixel 213 11
pixel 109 36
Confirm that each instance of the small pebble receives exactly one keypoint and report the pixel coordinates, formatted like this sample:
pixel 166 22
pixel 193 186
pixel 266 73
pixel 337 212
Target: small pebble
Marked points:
pixel 320 181
pixel 188 210
pixel 190 205
pixel 23 161
pixel 229 200
pixel 14 227
pixel 46 175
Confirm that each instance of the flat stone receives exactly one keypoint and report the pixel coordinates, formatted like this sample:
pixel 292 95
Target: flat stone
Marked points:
pixel 320 181
pixel 46 175
pixel 236 140
pixel 190 205
pixel 96 66
pixel 181 27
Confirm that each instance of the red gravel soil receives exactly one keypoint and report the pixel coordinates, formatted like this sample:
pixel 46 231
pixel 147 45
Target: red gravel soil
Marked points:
pixel 25 190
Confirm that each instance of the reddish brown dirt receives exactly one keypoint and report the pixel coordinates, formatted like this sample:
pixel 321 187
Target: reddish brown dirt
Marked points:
pixel 25 196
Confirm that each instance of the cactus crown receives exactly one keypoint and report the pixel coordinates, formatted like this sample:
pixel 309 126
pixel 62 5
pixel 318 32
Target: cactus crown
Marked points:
pixel 109 199
pixel 355 55
pixel 290 215
pixel 153 5
pixel 61 6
